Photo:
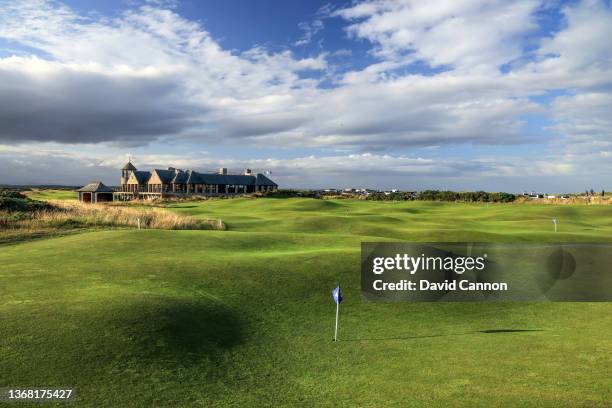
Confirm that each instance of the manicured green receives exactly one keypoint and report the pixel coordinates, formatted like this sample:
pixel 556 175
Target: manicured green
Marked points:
pixel 244 317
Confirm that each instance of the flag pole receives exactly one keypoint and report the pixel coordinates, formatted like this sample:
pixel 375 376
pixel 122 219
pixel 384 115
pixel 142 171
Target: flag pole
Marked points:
pixel 337 296
pixel 337 313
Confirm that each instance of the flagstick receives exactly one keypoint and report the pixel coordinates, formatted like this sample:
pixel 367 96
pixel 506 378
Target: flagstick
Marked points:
pixel 336 331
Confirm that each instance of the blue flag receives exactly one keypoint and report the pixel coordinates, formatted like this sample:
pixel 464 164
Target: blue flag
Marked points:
pixel 337 295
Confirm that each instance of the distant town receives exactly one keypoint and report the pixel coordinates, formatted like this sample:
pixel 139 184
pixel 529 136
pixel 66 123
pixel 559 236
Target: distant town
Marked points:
pixel 531 195
pixel 351 192
pixel 173 183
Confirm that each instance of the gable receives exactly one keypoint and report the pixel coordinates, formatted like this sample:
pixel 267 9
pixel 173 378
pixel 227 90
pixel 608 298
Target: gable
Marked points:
pixel 139 177
pixel 154 179
pixel 95 187
pixel 132 179
pixel 166 176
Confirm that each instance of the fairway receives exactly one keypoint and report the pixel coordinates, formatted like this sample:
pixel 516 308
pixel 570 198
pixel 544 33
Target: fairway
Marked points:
pixel 46 194
pixel 244 317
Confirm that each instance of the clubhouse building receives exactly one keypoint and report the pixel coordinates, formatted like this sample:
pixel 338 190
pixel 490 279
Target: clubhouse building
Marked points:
pixel 171 182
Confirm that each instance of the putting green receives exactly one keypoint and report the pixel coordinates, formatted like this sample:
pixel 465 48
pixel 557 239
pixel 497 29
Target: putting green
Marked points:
pixel 244 317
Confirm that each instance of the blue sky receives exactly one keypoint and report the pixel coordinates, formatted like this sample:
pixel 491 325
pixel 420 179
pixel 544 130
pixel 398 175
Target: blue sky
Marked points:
pixel 497 95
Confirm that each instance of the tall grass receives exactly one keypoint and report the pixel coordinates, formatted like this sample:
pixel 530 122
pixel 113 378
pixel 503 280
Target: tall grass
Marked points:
pixel 573 200
pixel 121 216
pixel 66 215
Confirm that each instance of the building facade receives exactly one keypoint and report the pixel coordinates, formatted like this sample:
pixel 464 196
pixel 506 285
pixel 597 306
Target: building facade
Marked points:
pixel 95 192
pixel 172 182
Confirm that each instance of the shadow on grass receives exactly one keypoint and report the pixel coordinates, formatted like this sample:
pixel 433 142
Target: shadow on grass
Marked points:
pixel 508 330
pixel 199 327
pixel 180 331
pixel 446 335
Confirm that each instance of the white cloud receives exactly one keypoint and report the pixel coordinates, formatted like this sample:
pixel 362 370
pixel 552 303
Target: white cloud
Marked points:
pixel 311 28
pixel 309 31
pixel 52 165
pixel 107 80
pixel 150 74
pixel 586 119
pixel 126 70
pixel 579 59
pixel 585 41
pixel 468 35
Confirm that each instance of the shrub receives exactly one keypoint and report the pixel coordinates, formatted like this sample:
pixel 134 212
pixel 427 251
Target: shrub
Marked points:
pixel 289 194
pixel 466 196
pixel 12 201
pixel 11 194
pixel 403 196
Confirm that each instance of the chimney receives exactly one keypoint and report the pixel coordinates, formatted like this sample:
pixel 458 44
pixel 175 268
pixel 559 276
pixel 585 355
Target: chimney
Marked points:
pixel 223 171
pixel 248 172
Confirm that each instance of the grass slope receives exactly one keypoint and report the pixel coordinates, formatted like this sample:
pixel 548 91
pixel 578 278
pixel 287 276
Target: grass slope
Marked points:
pixel 411 221
pixel 49 194
pixel 244 317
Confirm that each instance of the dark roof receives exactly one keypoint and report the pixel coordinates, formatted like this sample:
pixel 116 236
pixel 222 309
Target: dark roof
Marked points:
pixel 264 181
pixel 166 176
pixel 180 176
pixel 142 176
pixel 95 187
pixel 214 178
pixel 193 177
pixel 129 166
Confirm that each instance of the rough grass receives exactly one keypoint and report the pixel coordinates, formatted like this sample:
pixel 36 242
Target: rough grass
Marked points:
pixel 116 216
pixel 72 215
pixel 244 317
pixel 573 200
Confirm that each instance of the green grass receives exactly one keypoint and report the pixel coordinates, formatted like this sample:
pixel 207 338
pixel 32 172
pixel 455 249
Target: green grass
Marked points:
pixel 411 221
pixel 244 317
pixel 45 195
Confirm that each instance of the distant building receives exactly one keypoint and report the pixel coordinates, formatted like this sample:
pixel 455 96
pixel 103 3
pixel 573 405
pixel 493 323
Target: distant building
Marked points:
pixel 533 195
pixel 173 182
pixel 95 192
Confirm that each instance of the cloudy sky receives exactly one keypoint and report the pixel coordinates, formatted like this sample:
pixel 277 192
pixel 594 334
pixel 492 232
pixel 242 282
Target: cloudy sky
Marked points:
pixel 496 95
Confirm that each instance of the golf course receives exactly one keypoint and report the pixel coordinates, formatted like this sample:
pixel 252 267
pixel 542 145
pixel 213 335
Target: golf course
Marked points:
pixel 244 316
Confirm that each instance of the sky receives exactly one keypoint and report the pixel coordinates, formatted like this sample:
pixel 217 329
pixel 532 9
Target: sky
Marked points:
pixel 497 95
